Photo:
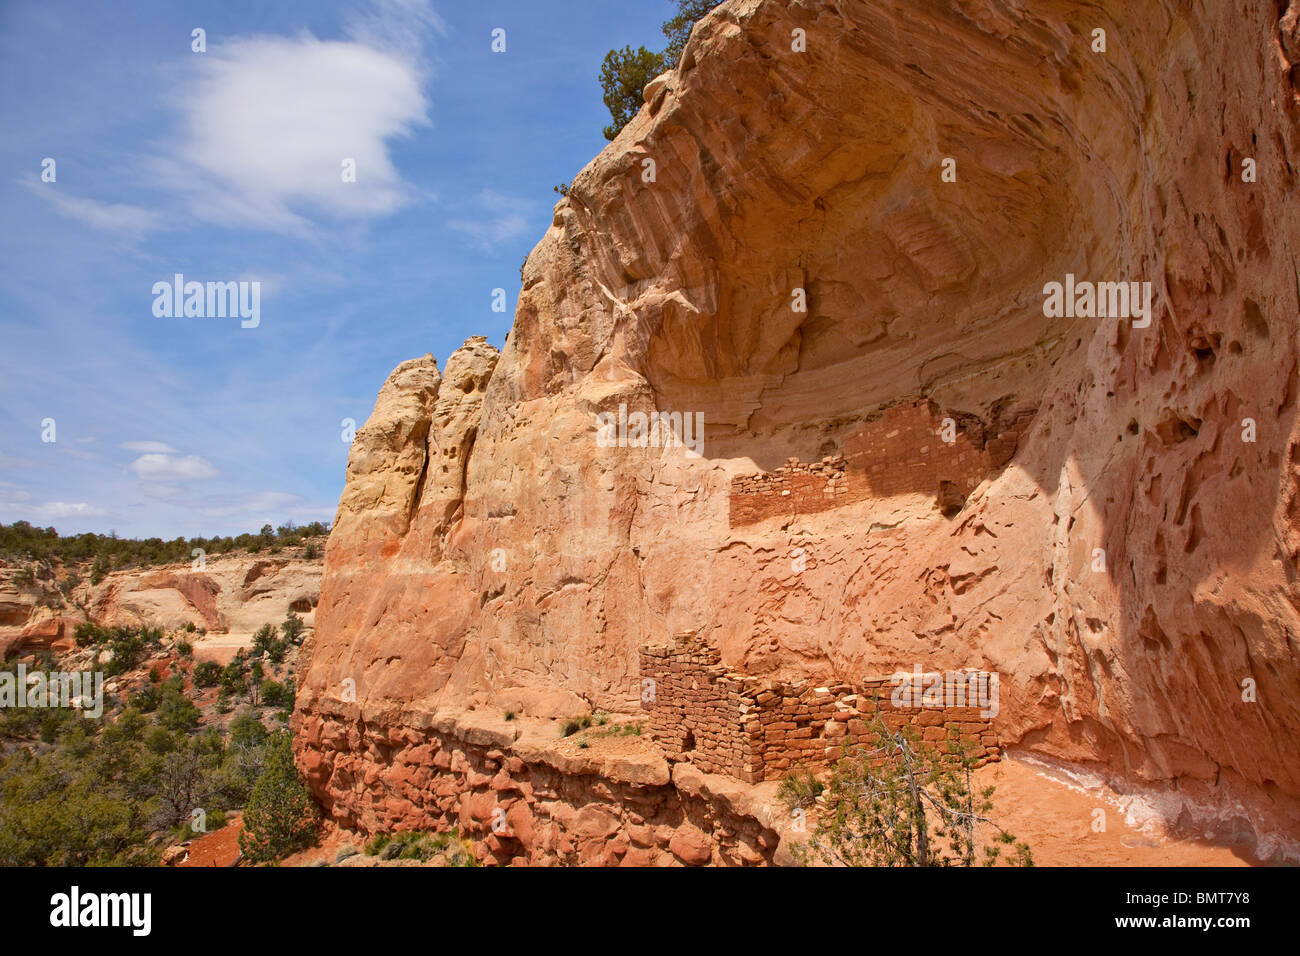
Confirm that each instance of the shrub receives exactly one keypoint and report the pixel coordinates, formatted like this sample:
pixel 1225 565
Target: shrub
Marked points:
pixel 800 789
pixel 176 711
pixel 146 699
pixel 233 680
pixel 292 628
pixel 266 641
pixel 898 802
pixel 88 634
pixel 575 724
pixel 275 694
pixel 246 730
pixel 280 816
pixel 206 674
pixel 159 741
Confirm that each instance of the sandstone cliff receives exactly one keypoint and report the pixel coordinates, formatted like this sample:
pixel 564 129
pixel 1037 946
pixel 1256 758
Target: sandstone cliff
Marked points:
pixel 229 598
pixel 1107 533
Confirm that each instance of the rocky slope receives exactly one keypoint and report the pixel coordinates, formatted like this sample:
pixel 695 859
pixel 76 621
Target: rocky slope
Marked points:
pixel 227 599
pixel 1121 545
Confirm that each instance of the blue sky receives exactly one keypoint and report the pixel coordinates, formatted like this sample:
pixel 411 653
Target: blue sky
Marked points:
pixel 225 166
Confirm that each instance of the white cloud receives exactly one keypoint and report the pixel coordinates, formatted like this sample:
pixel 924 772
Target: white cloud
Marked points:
pixel 161 468
pixel 154 447
pixel 502 218
pixel 65 509
pixel 261 502
pixel 12 495
pixel 396 26
pixel 268 121
pixel 110 217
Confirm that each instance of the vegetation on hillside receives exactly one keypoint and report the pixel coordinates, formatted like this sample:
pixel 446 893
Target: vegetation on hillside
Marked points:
pixel 22 541
pixel 450 849
pixel 112 793
pixel 155 768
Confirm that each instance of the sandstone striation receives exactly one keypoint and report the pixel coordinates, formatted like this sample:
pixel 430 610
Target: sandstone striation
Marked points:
pixel 229 598
pixel 1115 532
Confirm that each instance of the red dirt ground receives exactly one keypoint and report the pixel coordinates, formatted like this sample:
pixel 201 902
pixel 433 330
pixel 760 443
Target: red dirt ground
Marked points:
pixel 218 848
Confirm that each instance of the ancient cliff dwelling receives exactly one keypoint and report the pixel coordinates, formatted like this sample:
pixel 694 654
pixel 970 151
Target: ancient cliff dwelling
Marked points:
pixel 888 456
pixel 925 467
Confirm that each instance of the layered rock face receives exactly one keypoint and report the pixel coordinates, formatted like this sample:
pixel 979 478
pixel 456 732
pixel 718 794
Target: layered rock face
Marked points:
pixel 230 595
pixel 773 245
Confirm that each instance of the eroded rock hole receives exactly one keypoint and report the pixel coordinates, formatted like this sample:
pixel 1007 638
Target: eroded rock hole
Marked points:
pixel 1254 319
pixel 1176 429
pixel 950 499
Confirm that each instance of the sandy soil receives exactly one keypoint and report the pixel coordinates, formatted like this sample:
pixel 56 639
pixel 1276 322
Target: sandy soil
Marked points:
pixel 1056 819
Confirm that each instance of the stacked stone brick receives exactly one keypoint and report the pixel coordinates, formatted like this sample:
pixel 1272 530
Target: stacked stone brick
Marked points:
pixel 794 488
pixel 901 451
pixel 698 711
pixel 756 730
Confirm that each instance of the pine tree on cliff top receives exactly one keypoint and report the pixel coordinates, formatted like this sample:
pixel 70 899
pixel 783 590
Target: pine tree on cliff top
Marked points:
pixel 625 73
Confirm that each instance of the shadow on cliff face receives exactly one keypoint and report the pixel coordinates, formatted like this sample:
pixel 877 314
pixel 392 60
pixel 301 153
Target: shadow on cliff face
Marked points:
pixel 1168 450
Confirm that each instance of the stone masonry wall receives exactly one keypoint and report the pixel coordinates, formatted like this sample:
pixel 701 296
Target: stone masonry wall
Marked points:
pixel 901 451
pixel 753 730
pixel 795 487
pixel 520 802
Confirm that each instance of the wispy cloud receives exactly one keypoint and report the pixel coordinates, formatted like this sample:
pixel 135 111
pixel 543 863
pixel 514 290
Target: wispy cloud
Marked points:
pixel 149 447
pixel 265 503
pixel 66 509
pixel 399 27
pixel 161 468
pixel 501 219
pixel 107 216
pixel 20 503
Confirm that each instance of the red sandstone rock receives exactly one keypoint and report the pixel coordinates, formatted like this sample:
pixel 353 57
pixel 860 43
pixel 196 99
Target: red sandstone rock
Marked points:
pixel 690 845
pixel 486 541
